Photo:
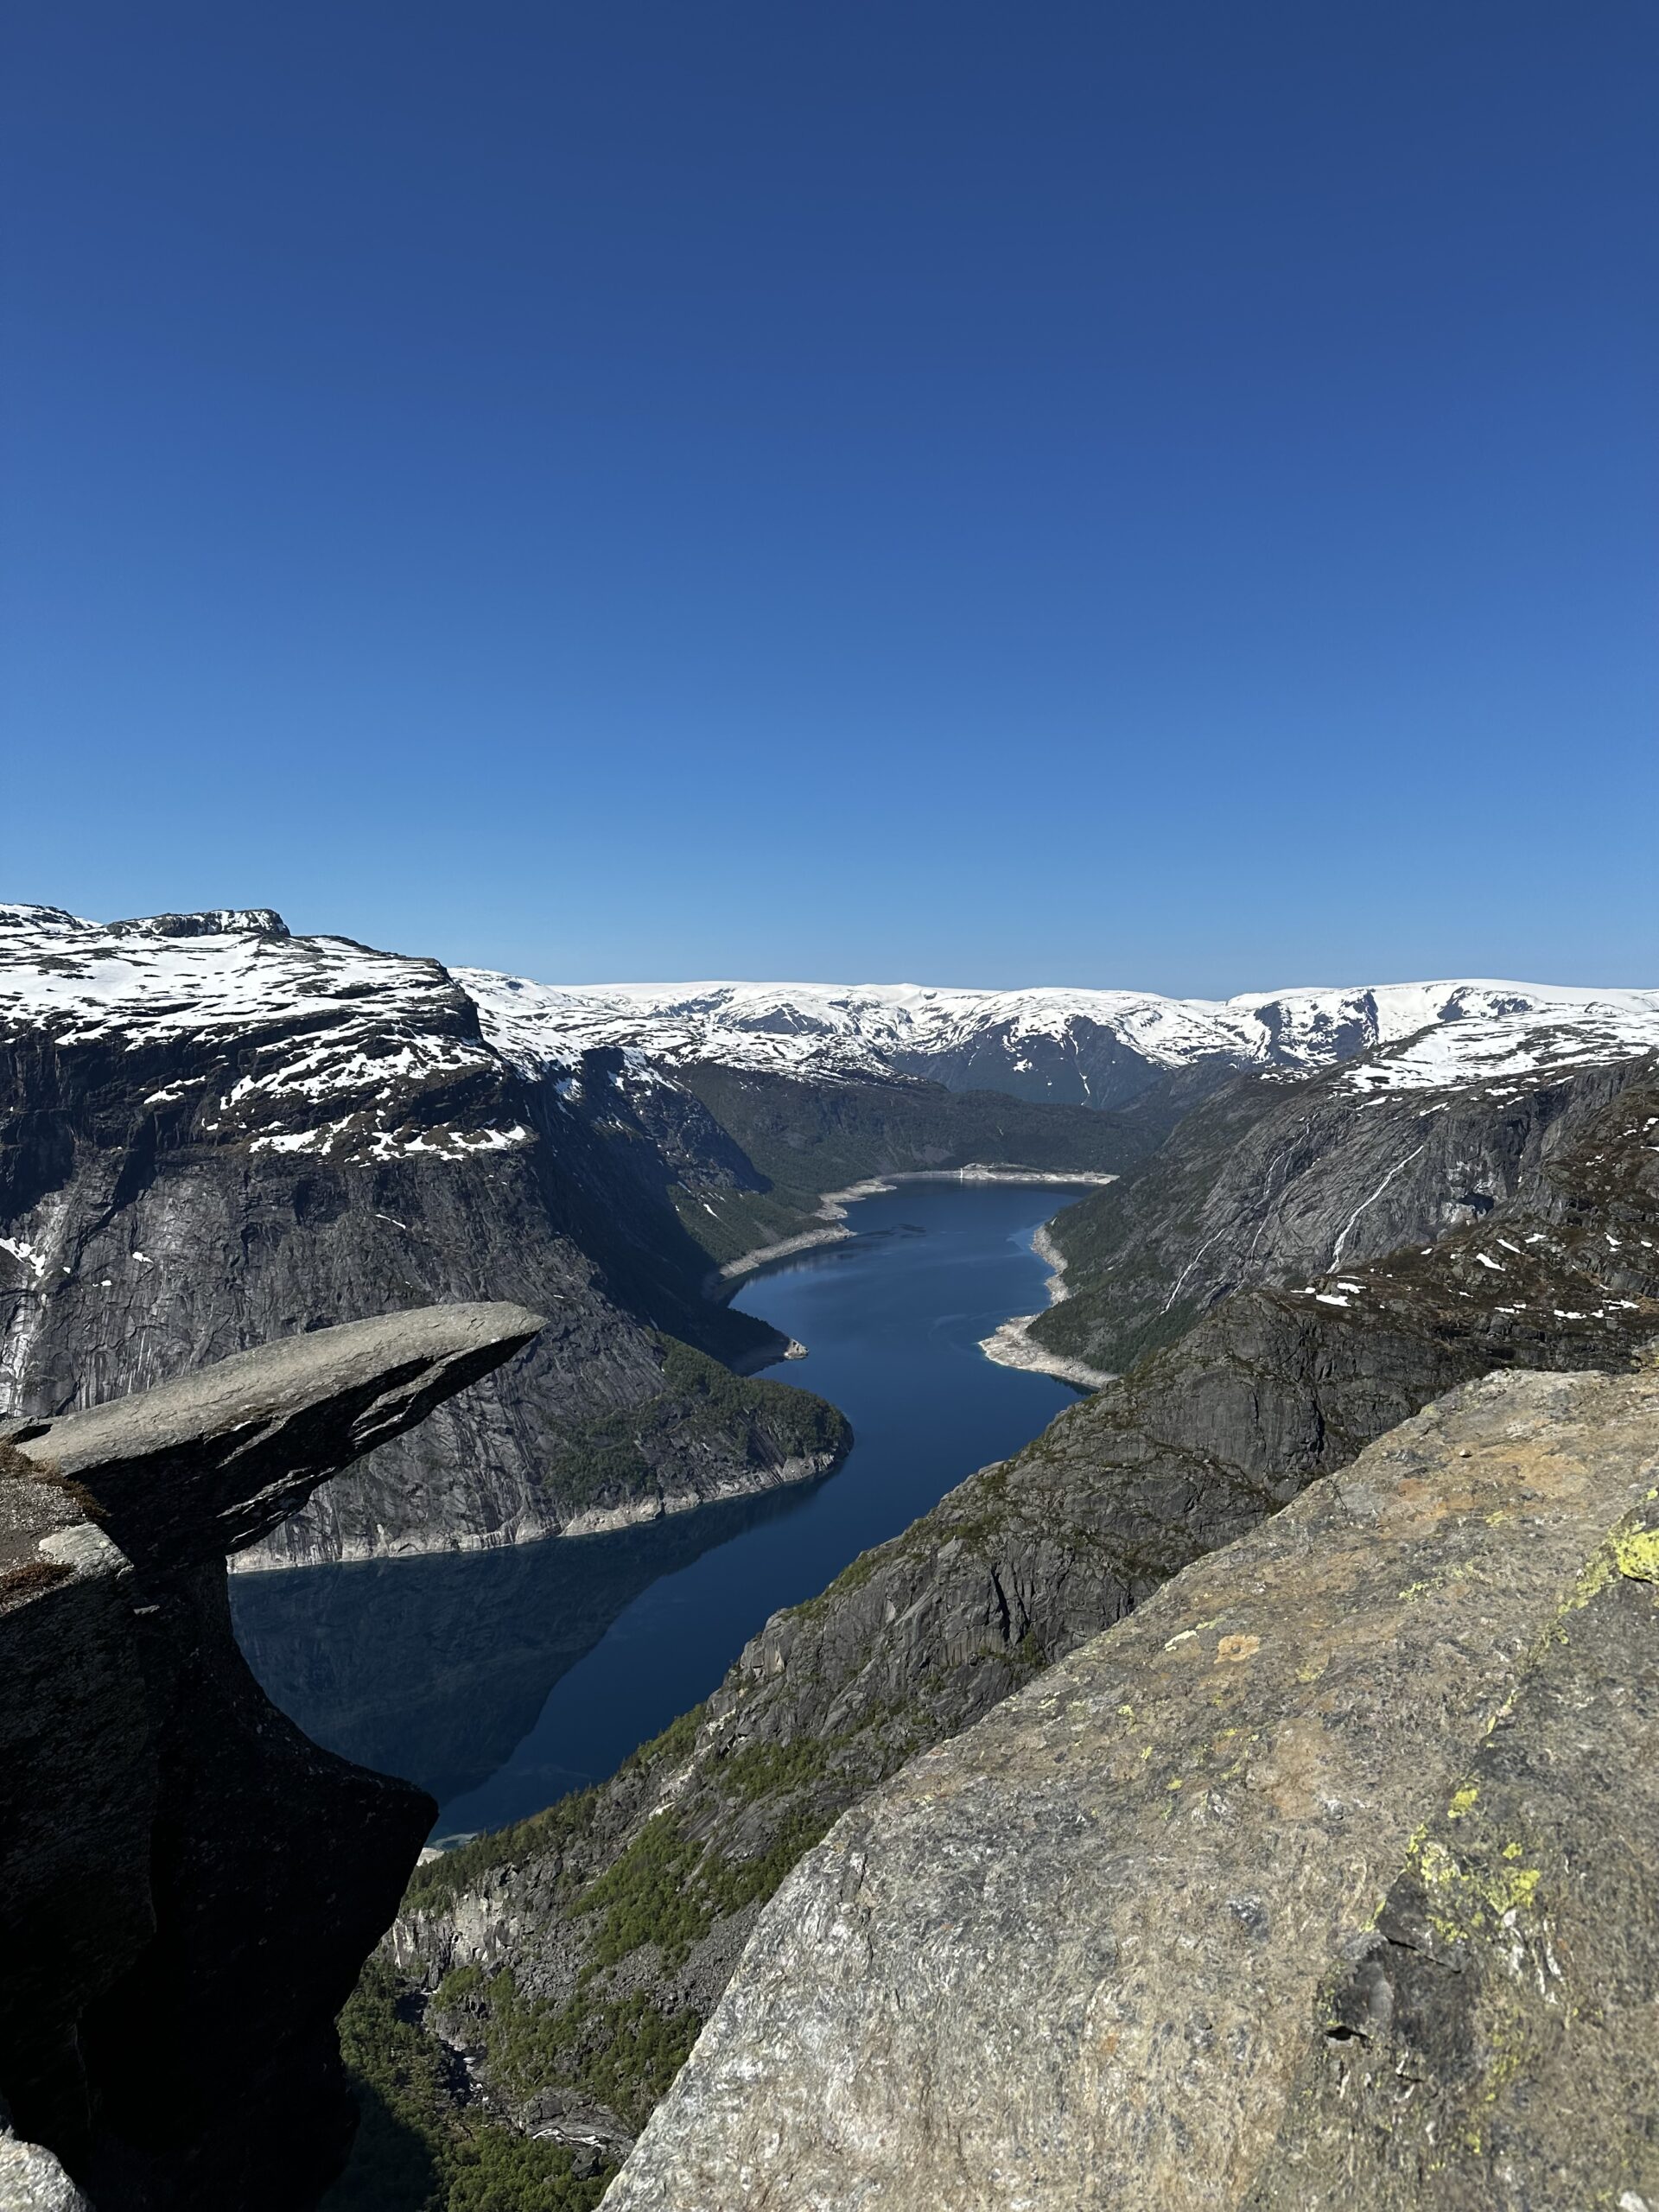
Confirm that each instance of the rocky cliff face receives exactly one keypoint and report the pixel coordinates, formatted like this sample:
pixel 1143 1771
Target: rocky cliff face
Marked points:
pixel 211 1133
pixel 1330 1877
pixel 188 1887
pixel 1279 1180
pixel 214 1134
pixel 1196 1445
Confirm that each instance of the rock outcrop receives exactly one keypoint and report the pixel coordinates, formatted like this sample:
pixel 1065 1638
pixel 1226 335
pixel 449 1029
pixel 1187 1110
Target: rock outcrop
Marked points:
pixel 1328 1877
pixel 1273 1387
pixel 189 1886
pixel 31 2179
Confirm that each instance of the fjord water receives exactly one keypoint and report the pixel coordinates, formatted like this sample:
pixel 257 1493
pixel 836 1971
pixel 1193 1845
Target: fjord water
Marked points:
pixel 501 1679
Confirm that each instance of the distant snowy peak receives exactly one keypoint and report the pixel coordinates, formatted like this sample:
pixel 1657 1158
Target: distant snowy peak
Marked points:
pixel 1515 1047
pixel 1098 1046
pixel 316 1044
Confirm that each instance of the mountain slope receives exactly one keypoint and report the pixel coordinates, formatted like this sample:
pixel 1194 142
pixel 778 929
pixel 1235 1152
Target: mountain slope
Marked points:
pixel 212 1134
pixel 1329 1879
pixel 1275 1178
pixel 607 1926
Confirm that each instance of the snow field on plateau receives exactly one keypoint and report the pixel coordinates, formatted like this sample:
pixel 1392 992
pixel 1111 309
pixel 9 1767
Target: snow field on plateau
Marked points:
pixel 1448 1034
pixel 318 1043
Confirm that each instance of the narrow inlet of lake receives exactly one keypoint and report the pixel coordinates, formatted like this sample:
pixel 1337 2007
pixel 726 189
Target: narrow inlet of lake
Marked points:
pixel 500 1681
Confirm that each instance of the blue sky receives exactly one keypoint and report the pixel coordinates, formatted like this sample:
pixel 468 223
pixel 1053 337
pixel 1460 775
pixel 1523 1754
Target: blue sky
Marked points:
pixel 1156 495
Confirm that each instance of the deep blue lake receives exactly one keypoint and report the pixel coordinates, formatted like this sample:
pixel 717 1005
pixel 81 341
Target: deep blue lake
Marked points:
pixel 501 1679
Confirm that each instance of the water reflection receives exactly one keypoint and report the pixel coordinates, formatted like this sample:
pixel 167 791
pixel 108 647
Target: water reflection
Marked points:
pixel 436 1667
pixel 501 1679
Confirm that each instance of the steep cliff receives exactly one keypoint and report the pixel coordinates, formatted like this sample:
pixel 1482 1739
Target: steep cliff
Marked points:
pixel 187 1885
pixel 1330 1877
pixel 645 1890
pixel 212 1134
pixel 1277 1179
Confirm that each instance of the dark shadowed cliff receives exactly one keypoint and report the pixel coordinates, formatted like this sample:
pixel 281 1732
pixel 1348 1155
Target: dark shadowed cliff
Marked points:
pixel 190 1887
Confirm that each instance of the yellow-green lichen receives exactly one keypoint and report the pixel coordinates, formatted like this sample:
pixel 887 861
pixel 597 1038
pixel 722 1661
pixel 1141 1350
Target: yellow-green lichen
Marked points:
pixel 1463 1802
pixel 1637 1554
pixel 1630 1551
pixel 1444 1583
pixel 1466 1902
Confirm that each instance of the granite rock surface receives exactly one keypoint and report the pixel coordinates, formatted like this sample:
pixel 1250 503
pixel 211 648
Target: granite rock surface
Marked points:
pixel 1199 1442
pixel 1330 1876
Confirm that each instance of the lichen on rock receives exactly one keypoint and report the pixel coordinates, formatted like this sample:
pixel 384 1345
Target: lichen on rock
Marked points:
pixel 1328 1877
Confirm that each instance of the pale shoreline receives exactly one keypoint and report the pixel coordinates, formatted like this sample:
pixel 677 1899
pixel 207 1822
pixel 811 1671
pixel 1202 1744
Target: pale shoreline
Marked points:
pixel 1010 1345
pixel 832 1207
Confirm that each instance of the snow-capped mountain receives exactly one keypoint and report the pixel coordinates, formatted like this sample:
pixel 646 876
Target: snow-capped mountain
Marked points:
pixel 1098 1047
pixel 317 1045
pixel 345 1050
pixel 213 1133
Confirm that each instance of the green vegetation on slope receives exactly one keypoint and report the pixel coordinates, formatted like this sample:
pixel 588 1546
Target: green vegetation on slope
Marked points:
pixel 612 1459
pixel 637 1895
pixel 622 2051
pixel 611 1904
pixel 417 2149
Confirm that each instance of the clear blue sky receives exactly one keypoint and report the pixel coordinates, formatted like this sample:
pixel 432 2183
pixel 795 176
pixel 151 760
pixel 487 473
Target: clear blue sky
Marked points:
pixel 1157 494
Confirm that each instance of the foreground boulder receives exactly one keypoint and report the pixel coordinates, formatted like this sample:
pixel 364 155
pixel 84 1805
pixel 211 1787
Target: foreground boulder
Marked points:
pixel 1330 1877
pixel 188 1885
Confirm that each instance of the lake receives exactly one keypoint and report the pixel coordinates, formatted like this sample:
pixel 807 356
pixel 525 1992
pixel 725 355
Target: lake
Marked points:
pixel 501 1679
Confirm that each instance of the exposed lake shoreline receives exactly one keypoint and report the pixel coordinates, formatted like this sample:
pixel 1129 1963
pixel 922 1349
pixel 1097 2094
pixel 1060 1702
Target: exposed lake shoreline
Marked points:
pixel 833 1204
pixel 503 1678
pixel 1010 1345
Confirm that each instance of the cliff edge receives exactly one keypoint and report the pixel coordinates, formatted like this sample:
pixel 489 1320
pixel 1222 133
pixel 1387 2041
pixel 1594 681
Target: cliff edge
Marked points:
pixel 189 1886
pixel 1328 1877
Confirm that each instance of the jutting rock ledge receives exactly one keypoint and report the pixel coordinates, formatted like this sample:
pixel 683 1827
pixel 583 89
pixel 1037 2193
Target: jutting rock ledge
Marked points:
pixel 1327 1881
pixel 188 1885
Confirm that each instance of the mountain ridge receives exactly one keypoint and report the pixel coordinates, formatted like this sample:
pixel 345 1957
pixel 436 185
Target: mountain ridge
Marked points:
pixel 214 1132
pixel 1100 1047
